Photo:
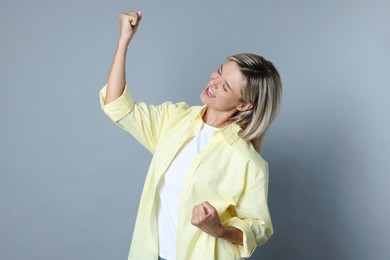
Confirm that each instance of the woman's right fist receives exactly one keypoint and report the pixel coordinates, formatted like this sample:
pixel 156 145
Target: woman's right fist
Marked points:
pixel 128 25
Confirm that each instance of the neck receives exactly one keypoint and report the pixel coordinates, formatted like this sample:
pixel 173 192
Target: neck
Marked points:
pixel 216 119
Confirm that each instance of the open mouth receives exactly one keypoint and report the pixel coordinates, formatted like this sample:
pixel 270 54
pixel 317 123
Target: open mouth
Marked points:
pixel 209 92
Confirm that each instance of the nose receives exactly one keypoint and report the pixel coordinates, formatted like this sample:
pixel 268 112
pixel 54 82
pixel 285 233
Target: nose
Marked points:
pixel 215 82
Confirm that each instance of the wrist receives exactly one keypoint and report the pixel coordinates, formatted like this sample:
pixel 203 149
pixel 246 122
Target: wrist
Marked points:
pixel 231 234
pixel 221 232
pixel 123 43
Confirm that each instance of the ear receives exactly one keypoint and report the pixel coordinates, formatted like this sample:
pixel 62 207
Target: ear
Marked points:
pixel 244 107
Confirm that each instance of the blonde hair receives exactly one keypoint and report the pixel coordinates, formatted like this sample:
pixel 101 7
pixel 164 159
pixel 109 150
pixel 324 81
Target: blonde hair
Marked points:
pixel 262 87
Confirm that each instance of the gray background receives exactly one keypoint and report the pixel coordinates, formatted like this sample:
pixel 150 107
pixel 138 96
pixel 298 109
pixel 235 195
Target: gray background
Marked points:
pixel 70 180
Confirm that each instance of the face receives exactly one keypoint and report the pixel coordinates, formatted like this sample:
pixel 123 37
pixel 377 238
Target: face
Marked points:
pixel 223 92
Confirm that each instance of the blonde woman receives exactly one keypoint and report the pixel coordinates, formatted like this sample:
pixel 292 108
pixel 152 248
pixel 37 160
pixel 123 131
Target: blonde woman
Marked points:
pixel 205 195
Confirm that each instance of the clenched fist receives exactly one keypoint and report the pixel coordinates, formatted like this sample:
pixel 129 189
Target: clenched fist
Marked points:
pixel 205 217
pixel 128 25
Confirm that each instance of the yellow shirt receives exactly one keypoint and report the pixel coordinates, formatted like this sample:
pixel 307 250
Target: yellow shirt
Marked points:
pixel 228 173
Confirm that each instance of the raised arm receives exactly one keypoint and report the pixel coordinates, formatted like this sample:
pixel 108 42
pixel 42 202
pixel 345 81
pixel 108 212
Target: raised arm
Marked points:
pixel 117 77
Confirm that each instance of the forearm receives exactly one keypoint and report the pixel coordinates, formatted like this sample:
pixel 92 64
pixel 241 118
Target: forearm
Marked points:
pixel 232 234
pixel 117 76
pixel 205 217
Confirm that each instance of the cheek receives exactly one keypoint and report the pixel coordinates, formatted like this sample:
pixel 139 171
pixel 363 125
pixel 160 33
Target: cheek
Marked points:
pixel 228 99
pixel 227 96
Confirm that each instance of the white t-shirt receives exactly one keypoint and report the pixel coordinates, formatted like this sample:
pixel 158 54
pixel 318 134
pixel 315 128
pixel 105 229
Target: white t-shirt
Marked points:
pixel 170 188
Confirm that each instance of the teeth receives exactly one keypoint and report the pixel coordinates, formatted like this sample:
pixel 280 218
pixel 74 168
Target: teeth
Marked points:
pixel 211 91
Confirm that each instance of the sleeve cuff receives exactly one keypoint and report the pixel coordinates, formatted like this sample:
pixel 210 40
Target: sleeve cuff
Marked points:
pixel 249 241
pixel 118 108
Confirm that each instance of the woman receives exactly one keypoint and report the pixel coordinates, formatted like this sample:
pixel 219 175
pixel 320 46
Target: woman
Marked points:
pixel 205 195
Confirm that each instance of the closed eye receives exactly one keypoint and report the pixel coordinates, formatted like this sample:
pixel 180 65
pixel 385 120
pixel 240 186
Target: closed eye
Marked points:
pixel 225 86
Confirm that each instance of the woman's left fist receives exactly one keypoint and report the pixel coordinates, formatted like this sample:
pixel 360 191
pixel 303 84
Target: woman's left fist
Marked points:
pixel 205 217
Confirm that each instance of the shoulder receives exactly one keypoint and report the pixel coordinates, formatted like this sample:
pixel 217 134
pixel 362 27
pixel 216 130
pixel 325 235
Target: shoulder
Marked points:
pixel 183 107
pixel 255 163
pixel 182 110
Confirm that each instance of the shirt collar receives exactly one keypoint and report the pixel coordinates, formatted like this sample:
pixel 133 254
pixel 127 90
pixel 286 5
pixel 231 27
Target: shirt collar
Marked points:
pixel 229 132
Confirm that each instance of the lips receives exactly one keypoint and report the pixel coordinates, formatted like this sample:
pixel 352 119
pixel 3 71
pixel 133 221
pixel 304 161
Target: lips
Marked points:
pixel 209 92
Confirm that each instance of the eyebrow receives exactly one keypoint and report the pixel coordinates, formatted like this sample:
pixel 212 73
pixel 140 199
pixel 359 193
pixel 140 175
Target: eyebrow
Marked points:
pixel 227 84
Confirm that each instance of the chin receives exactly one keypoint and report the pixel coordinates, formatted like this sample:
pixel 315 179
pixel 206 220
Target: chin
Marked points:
pixel 203 98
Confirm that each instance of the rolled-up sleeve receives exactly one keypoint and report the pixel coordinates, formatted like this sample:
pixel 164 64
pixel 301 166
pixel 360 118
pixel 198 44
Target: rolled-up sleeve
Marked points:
pixel 253 217
pixel 144 122
pixel 118 108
